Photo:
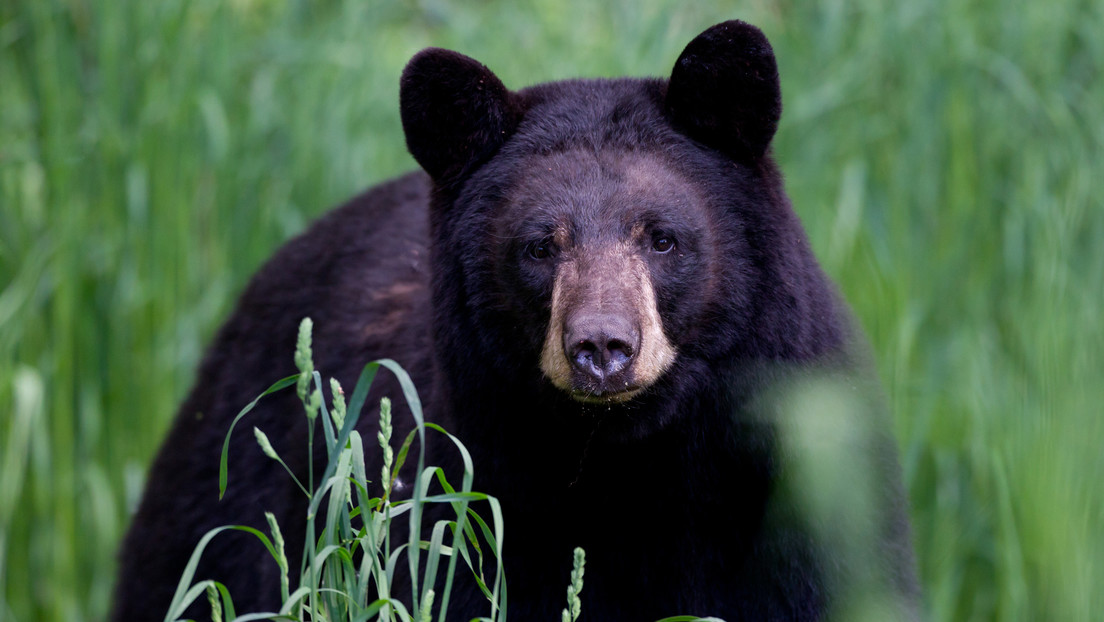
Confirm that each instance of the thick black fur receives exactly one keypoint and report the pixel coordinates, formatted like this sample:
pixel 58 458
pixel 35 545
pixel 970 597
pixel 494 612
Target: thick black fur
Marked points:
pixel 677 495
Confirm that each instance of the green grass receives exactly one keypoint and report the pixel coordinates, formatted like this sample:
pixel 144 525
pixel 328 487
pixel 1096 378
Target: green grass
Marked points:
pixel 349 568
pixel 945 157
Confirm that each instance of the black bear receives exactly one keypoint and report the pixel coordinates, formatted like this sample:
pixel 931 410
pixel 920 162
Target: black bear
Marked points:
pixel 601 288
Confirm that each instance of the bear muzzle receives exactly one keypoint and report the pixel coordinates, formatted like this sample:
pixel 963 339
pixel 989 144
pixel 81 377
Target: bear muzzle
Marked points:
pixel 605 340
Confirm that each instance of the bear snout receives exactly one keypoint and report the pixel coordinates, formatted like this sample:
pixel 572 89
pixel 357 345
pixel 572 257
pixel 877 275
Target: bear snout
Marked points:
pixel 605 340
pixel 601 348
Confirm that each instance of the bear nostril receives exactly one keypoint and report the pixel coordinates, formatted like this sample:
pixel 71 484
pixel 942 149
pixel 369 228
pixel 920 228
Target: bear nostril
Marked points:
pixel 617 355
pixel 584 355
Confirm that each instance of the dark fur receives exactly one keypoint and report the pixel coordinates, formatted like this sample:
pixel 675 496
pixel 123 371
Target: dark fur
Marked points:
pixel 674 495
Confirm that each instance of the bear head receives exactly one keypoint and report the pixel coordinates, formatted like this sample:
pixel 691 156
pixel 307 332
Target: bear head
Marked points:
pixel 599 233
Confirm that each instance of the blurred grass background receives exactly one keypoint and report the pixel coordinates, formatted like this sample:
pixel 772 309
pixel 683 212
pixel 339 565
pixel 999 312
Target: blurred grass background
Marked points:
pixel 946 158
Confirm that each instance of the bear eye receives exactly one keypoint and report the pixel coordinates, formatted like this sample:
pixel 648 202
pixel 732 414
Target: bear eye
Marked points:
pixel 542 249
pixel 663 243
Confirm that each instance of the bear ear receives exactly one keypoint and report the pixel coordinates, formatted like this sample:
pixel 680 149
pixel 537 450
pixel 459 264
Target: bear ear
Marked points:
pixel 724 90
pixel 455 112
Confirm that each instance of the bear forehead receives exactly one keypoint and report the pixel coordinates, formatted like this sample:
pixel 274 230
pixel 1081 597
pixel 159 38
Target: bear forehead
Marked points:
pixel 624 112
pixel 582 189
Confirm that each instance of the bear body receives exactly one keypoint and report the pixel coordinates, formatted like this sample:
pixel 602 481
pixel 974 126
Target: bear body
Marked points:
pixel 593 284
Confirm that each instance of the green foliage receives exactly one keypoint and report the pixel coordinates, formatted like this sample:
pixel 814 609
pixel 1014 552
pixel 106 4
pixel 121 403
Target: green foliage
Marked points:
pixel 349 568
pixel 942 154
pixel 574 605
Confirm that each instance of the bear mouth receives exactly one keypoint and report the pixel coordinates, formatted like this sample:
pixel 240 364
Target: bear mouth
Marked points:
pixel 598 396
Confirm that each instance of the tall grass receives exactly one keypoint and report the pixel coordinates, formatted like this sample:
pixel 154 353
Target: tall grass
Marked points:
pixel 945 157
pixel 350 559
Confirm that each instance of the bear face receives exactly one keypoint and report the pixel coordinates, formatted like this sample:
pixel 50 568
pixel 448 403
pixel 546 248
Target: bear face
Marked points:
pixel 599 247
pixel 593 238
pixel 611 229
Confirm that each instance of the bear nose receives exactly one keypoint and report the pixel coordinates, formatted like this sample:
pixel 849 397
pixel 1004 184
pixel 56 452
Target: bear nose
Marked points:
pixel 601 346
